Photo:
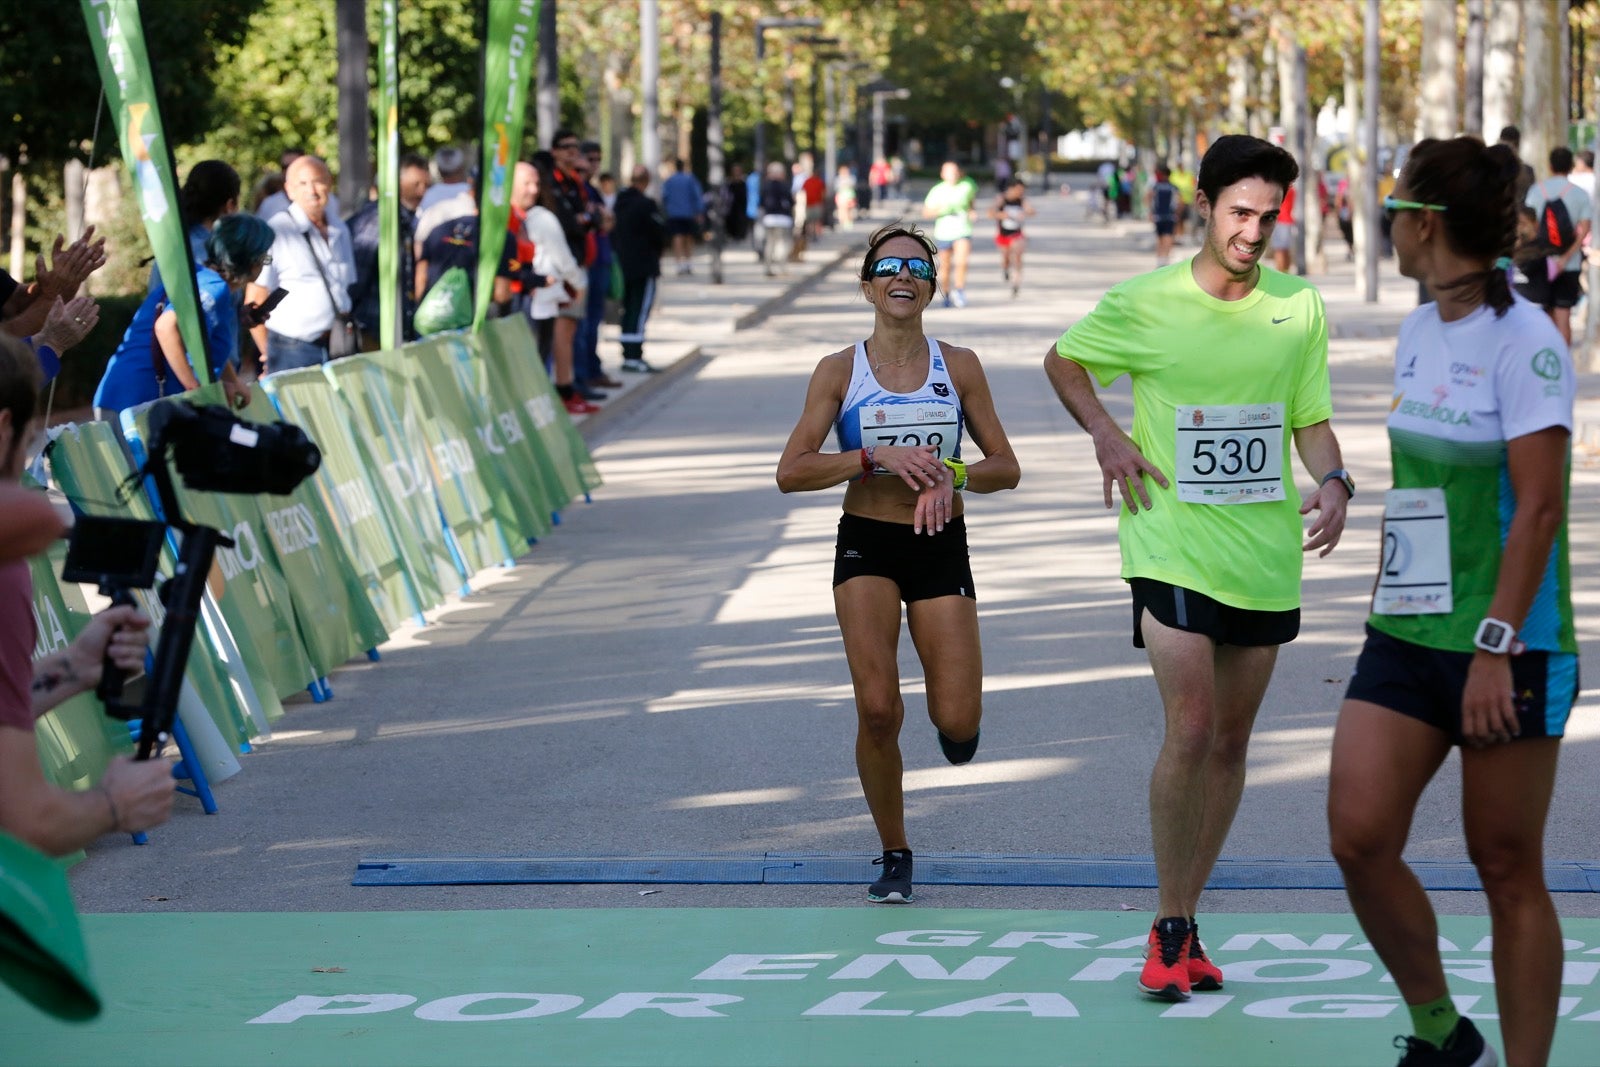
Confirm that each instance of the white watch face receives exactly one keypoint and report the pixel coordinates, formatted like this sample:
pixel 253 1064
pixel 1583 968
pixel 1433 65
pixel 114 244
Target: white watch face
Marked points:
pixel 1493 636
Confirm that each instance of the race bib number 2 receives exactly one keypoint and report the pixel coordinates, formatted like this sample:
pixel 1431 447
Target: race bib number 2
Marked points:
pixel 910 425
pixel 1415 575
pixel 1230 454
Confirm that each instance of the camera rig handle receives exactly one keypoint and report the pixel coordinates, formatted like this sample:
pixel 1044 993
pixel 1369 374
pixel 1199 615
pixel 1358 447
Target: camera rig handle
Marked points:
pixel 112 677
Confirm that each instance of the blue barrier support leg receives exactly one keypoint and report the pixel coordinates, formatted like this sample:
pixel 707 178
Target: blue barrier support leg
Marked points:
pixel 189 767
pixel 372 655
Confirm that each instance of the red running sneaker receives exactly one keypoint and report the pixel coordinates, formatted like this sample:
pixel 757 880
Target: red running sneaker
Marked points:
pixel 1166 961
pixel 1204 976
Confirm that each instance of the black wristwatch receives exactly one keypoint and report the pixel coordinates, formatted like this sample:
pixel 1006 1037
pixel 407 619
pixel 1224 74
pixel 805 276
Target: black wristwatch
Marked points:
pixel 1343 476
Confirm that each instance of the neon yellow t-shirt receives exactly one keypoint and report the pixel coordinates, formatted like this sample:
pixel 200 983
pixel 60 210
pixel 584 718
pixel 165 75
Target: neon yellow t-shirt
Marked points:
pixel 950 203
pixel 1192 355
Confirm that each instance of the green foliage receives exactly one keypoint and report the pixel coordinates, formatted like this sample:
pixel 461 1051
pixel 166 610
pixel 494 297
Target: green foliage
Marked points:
pixel 52 85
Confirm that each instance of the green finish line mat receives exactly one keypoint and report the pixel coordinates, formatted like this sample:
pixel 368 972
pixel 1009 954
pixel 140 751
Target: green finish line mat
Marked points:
pixel 781 868
pixel 801 987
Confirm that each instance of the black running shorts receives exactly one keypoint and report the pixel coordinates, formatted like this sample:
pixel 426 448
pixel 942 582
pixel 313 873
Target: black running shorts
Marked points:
pixel 923 567
pixel 1196 613
pixel 1426 684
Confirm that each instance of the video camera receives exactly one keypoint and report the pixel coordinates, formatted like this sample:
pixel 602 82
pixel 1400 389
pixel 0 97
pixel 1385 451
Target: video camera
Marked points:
pixel 214 451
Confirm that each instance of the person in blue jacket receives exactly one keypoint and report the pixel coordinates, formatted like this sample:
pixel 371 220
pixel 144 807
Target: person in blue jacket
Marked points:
pixel 237 249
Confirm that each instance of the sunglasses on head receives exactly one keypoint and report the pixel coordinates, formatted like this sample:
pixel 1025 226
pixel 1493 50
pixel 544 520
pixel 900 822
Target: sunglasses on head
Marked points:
pixel 890 266
pixel 1392 205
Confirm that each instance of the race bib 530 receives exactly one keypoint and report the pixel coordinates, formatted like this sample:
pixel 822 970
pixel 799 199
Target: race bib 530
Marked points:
pixel 1230 453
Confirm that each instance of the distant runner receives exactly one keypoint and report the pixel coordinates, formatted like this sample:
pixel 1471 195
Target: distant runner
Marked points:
pixel 1011 209
pixel 950 205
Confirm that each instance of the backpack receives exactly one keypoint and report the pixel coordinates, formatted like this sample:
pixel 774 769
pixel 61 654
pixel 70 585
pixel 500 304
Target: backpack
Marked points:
pixel 1556 233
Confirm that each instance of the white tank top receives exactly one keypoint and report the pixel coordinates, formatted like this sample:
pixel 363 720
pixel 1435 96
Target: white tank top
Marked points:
pixel 928 415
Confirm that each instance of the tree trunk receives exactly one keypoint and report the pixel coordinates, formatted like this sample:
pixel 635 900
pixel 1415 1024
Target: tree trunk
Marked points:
pixel 1436 117
pixel 1544 97
pixel 1238 93
pixel 1369 141
pixel 1472 79
pixel 72 179
pixel 355 100
pixel 547 94
pixel 19 222
pixel 649 81
pixel 1265 113
pixel 102 201
pixel 1354 163
pixel 1500 99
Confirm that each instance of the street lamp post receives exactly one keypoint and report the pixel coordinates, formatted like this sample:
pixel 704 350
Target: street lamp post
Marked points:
pixel 762 26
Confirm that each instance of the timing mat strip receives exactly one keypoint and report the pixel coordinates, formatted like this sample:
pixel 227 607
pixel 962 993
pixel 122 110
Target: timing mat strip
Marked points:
pixel 777 868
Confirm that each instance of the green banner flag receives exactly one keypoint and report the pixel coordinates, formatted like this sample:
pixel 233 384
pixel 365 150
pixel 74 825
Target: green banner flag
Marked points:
pixel 508 51
pixel 389 310
pixel 117 37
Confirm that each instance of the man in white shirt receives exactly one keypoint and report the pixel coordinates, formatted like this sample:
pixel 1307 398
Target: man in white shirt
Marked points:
pixel 279 201
pixel 450 197
pixel 312 258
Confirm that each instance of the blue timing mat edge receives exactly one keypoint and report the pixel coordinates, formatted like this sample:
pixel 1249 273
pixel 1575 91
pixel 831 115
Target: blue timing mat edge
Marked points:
pixel 781 868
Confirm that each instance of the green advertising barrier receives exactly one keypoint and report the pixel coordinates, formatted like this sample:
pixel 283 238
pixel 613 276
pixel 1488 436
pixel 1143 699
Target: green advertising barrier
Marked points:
pixel 372 396
pixel 336 618
pixel 509 348
pixel 88 464
pixel 445 426
pixel 346 484
pixel 245 580
pixel 502 454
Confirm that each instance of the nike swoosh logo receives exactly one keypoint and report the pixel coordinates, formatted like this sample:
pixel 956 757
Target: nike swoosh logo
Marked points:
pixel 1286 318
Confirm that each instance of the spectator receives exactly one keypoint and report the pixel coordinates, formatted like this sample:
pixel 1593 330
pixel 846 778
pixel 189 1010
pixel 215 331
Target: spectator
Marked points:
pixel 129 796
pixel 844 197
pixel 552 260
pixel 1511 137
pixel 1583 171
pixel 275 194
pixel 752 210
pixel 151 362
pixel 880 177
pixel 736 224
pixel 522 281
pixel 312 259
pixel 578 223
pixel 24 308
pixel 453 197
pixel 1566 266
pixel 365 238
pixel 1343 207
pixel 586 368
pixel 210 191
pixel 683 200
pixel 776 205
pixel 641 235
pixel 452 178
pixel 607 184
pixel 64 328
pixel 451 242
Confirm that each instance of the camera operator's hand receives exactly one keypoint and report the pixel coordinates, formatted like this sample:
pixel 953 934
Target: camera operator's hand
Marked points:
pixel 139 794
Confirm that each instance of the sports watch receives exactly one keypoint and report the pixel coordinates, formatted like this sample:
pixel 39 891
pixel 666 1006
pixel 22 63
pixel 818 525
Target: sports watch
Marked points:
pixel 1495 636
pixel 958 470
pixel 1344 477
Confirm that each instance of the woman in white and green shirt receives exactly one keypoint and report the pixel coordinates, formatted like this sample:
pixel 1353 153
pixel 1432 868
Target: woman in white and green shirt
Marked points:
pixel 1471 640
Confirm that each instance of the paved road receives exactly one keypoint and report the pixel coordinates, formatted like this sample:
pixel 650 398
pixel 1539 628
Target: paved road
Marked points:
pixel 663 673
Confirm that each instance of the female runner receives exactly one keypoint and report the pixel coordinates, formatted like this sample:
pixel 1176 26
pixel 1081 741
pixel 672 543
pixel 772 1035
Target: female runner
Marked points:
pixel 1010 209
pixel 1471 640
pixel 898 403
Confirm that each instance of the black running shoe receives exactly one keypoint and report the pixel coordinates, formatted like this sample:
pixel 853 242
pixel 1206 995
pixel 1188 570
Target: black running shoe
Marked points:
pixel 1465 1047
pixel 895 885
pixel 958 752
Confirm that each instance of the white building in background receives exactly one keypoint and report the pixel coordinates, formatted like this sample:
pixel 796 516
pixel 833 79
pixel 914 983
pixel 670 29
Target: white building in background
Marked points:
pixel 1101 142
